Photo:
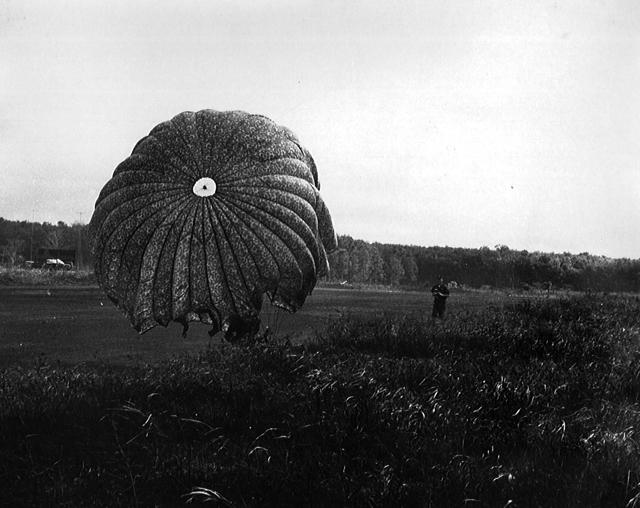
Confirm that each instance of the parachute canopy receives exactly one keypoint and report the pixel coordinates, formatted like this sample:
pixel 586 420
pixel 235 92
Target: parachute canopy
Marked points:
pixel 211 211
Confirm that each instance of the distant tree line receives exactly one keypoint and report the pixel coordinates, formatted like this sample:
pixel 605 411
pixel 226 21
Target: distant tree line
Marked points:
pixel 357 261
pixel 22 241
pixel 360 262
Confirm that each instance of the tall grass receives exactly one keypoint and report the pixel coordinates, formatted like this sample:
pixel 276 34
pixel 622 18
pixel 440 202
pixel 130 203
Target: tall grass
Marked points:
pixel 532 405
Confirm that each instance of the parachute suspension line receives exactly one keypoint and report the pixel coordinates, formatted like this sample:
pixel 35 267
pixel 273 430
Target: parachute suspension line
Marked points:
pixel 277 320
pixel 273 320
pixel 270 321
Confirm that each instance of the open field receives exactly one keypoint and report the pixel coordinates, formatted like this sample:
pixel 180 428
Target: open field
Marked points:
pixel 73 323
pixel 511 402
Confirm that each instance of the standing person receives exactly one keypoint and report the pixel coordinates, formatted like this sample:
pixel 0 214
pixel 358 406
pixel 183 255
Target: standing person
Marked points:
pixel 440 294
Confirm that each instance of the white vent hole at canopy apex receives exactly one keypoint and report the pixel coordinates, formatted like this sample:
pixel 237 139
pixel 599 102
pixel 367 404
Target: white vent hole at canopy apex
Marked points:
pixel 204 187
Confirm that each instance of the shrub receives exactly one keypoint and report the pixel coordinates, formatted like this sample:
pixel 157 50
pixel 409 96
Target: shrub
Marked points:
pixel 37 277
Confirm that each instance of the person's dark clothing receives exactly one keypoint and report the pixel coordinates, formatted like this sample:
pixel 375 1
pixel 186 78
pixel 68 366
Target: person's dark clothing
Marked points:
pixel 440 294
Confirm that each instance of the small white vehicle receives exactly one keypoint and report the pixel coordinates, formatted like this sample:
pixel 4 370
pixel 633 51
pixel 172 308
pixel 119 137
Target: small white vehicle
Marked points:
pixel 55 264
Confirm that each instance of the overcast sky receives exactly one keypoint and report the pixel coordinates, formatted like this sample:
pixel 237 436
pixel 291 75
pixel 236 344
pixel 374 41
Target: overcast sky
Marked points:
pixel 460 123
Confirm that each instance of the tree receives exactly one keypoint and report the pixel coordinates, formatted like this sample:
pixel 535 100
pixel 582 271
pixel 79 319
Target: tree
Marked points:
pixel 360 262
pixel 11 250
pixel 410 269
pixel 376 273
pixel 54 239
pixel 339 264
pixel 393 269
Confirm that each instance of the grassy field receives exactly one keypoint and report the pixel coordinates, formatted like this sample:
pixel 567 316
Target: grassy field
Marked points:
pixel 76 323
pixel 508 402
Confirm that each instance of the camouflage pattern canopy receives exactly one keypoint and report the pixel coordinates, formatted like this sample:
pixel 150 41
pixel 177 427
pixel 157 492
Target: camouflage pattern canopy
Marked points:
pixel 211 210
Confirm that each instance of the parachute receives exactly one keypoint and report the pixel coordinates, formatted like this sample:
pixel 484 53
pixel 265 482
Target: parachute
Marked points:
pixel 211 211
